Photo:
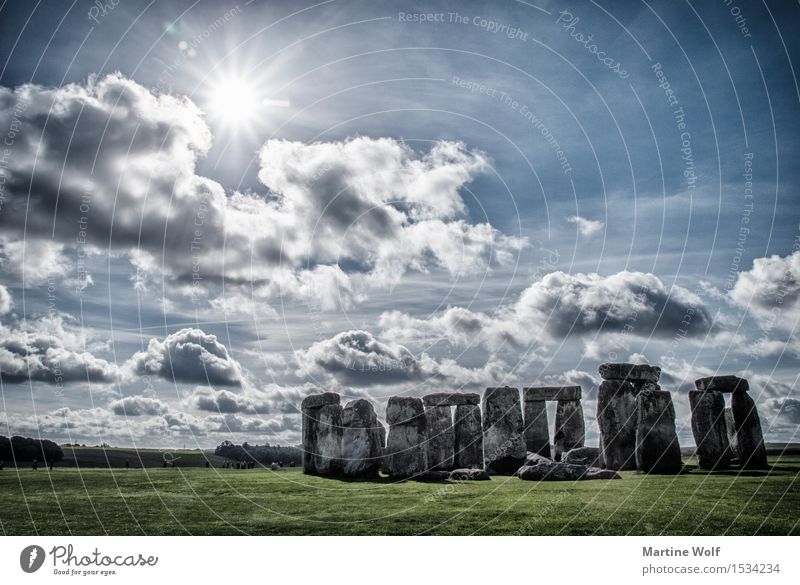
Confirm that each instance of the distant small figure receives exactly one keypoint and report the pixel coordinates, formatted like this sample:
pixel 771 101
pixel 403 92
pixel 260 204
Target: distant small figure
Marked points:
pixel 1 465
pixel 127 464
pixel 292 464
pixel 165 465
pixel 208 465
pixel 35 465
pixel 52 462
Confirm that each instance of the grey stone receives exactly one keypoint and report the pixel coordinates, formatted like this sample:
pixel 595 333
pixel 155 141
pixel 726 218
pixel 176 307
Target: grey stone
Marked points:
pixel 537 393
pixel 536 432
pixel 630 372
pixel 570 430
pixel 320 400
pixel 640 386
pixel 503 444
pixel 583 456
pixel 730 428
pixel 657 447
pixel 616 417
pixel 548 470
pixel 708 428
pixel 441 437
pixel 405 454
pixel 310 407
pixel 722 384
pixel 433 475
pixel 749 438
pixel 362 439
pixel 451 399
pixel 403 410
pixel 468 437
pixel 469 475
pixel 328 459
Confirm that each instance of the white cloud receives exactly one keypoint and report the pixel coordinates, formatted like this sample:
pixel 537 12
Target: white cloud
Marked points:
pixel 47 350
pixel 371 204
pixel 5 300
pixel 771 290
pixel 358 358
pixel 586 227
pixel 188 355
pixel 565 304
pixel 138 406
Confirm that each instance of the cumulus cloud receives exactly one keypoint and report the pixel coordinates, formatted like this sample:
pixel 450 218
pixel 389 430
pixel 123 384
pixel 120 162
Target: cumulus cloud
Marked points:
pixel 122 160
pixel 5 300
pixel 138 406
pixel 771 290
pixel 188 355
pixel 46 350
pixel 357 357
pixel 586 227
pixel 566 304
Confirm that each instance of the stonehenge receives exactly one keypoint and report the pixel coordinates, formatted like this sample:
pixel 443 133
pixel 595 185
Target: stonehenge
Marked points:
pixel 723 434
pixel 362 439
pixel 569 427
pixel 465 436
pixel 503 444
pixel 657 448
pixel 616 418
pixel 406 452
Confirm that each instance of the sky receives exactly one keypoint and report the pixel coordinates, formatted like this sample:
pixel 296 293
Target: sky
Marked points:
pixel 209 210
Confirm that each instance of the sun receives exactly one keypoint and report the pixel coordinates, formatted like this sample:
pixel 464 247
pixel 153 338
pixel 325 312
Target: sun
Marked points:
pixel 234 101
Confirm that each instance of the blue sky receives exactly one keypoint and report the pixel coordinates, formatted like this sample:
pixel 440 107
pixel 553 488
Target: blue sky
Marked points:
pixel 388 198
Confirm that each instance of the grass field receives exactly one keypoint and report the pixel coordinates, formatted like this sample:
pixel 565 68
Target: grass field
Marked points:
pixel 222 501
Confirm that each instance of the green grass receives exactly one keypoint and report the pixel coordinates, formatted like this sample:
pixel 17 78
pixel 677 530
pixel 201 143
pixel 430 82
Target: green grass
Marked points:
pixel 222 501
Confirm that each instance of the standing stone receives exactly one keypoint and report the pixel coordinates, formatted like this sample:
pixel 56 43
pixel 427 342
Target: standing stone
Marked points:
pixel 616 417
pixel 441 438
pixel 503 444
pixel 749 439
pixel 536 432
pixel 328 459
pixel 362 439
pixel 730 427
pixel 630 372
pixel 708 428
pixel 405 454
pixel 570 431
pixel 468 437
pixel 310 421
pixel 657 447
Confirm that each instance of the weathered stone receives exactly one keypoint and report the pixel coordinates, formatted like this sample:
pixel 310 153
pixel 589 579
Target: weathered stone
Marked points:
pixel 630 372
pixel 730 428
pixel 749 438
pixel 536 432
pixel 405 453
pixel 722 384
pixel 642 386
pixel 616 417
pixel 469 475
pixel 328 459
pixel 403 410
pixel 451 399
pixel 433 475
pixel 657 448
pixel 537 393
pixel 310 426
pixel 548 470
pixel 362 439
pixel 441 437
pixel 583 456
pixel 503 444
pixel 570 430
pixel 320 400
pixel 708 428
pixel 468 437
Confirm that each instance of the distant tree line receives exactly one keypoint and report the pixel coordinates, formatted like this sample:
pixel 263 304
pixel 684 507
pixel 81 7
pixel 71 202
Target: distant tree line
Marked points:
pixel 27 449
pixel 265 454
